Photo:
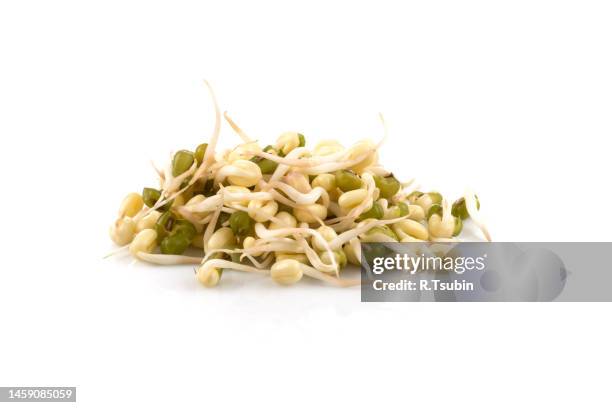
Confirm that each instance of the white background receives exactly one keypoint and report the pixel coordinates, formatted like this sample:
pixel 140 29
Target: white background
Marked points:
pixel 512 99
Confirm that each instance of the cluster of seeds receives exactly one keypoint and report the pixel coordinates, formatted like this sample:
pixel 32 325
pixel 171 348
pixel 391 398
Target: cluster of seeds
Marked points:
pixel 283 210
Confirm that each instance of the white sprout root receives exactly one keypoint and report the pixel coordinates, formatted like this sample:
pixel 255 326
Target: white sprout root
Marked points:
pixel 162 259
pixel 237 129
pixel 297 220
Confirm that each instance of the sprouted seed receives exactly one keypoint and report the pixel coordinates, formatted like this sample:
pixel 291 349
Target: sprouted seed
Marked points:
pixel 283 211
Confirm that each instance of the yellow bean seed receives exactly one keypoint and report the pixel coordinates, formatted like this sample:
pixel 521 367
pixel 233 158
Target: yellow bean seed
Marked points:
pixel 250 173
pixel 266 210
pixel 131 205
pixel 352 198
pixel 286 272
pixel 208 276
pixel 326 181
pixel 122 231
pixel 148 221
pixel 311 213
pixel 286 221
pixel 223 238
pixel 412 228
pixel 144 241
pixel 299 181
pixel 359 149
pixel 416 212
pixel 439 228
pixel 287 142
pixel 250 242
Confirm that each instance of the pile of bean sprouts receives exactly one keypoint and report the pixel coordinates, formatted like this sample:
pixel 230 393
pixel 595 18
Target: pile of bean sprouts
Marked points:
pixel 284 210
